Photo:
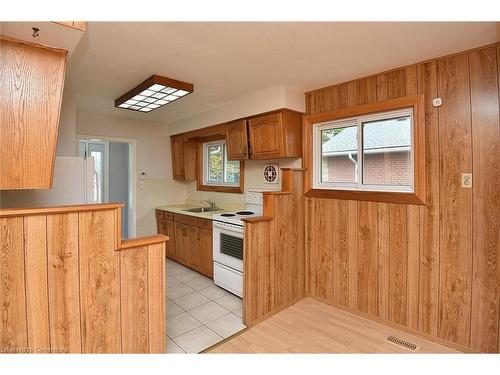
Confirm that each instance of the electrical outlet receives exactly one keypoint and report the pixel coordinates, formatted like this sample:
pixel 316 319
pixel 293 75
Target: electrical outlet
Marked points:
pixel 466 180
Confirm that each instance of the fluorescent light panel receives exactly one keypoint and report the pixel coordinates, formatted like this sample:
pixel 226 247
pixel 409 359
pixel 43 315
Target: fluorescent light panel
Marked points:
pixel 153 93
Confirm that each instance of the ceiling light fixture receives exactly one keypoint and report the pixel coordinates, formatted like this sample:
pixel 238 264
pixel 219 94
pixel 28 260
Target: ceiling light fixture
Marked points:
pixel 153 93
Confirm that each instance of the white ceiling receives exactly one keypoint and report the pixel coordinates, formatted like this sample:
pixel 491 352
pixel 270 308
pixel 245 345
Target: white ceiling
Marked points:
pixel 228 60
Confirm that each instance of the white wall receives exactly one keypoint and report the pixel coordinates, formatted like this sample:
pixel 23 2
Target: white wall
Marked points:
pixel 153 158
pixel 66 140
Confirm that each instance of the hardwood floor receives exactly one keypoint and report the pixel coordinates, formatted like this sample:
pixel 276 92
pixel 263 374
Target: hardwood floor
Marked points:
pixel 310 326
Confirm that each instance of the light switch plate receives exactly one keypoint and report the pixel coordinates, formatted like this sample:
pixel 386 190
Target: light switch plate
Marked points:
pixel 466 180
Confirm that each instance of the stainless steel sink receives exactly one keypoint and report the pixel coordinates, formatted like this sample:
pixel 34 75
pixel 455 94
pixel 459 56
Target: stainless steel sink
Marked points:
pixel 202 209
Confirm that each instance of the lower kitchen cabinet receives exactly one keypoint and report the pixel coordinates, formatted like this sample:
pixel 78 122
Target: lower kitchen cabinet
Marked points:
pixel 190 240
pixel 205 243
pixel 170 232
pixel 181 243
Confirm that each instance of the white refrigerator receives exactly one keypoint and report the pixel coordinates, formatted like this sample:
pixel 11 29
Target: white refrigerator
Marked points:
pixel 73 184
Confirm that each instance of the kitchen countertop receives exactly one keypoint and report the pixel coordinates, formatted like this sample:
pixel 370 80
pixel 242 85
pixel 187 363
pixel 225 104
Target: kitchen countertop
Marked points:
pixel 179 209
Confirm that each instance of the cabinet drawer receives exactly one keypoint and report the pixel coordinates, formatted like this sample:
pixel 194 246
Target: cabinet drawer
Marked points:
pixel 168 215
pixel 205 223
pixel 186 219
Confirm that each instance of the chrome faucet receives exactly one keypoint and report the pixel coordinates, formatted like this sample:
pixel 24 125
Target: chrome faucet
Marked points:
pixel 211 203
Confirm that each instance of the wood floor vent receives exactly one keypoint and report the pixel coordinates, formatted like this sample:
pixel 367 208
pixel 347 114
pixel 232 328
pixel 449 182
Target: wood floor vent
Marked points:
pixel 402 343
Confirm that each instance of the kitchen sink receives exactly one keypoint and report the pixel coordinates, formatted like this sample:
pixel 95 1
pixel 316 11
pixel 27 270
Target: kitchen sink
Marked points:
pixel 202 209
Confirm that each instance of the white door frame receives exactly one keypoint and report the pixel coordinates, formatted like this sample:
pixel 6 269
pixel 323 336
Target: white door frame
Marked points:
pixel 132 176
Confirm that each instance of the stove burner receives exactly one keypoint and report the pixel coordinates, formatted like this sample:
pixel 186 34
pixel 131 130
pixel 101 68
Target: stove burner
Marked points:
pixel 244 213
pixel 227 215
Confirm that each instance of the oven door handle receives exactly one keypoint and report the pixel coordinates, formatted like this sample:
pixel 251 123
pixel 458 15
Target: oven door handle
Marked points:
pixel 230 227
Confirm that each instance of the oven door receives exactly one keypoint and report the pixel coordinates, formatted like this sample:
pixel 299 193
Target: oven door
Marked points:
pixel 228 245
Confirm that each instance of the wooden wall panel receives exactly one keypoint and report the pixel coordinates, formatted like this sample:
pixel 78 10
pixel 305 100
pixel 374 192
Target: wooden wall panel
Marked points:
pixel 99 280
pixel 37 298
pixel 456 203
pixel 367 257
pixel 429 214
pixel 63 290
pixel 134 300
pixel 63 282
pixel 486 200
pixel 13 332
pixel 397 263
pixel 340 244
pixel 274 263
pixel 431 268
pixel 156 297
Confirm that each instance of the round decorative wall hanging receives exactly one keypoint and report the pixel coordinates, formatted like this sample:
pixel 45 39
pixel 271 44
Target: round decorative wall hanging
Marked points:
pixel 271 173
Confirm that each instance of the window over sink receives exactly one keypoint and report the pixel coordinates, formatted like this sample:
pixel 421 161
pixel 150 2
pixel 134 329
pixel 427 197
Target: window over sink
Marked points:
pixel 218 173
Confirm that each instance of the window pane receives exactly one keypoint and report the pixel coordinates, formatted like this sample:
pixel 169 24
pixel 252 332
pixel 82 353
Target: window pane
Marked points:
pixel 215 163
pixel 387 152
pixel 339 156
pixel 232 172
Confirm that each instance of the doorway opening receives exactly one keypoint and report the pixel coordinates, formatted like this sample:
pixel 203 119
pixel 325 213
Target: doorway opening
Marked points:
pixel 114 174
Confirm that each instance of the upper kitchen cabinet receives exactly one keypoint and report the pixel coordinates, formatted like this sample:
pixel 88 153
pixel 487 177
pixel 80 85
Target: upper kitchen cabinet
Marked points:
pixel 237 140
pixel 183 158
pixel 275 135
pixel 31 88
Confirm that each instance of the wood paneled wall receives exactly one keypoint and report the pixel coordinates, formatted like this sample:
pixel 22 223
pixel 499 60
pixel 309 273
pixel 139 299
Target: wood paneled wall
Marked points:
pixel 274 251
pixel 434 269
pixel 68 287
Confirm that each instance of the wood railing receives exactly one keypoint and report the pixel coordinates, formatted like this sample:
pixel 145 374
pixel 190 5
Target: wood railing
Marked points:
pixel 274 253
pixel 69 284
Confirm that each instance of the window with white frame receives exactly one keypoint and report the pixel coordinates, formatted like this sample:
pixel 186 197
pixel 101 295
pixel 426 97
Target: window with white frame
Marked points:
pixel 365 153
pixel 217 170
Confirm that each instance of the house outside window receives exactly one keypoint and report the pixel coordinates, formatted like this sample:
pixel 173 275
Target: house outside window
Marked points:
pixel 384 142
pixel 217 170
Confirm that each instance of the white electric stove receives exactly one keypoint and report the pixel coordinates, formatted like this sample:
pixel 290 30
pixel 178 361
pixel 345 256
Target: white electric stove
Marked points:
pixel 228 234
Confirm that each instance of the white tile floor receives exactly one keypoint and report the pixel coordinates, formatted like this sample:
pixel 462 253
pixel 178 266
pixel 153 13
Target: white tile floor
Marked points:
pixel 199 313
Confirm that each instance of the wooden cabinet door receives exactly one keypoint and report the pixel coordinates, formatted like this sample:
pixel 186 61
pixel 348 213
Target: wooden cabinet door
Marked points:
pixel 176 142
pixel 237 140
pixel 170 232
pixel 207 263
pixel 194 260
pixel 181 242
pixel 31 87
pixel 266 136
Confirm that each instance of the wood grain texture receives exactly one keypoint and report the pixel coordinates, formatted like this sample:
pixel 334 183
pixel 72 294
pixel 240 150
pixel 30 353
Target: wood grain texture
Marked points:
pixel 429 214
pixel 274 258
pixel 456 202
pixel 37 304
pixel 436 264
pixel 310 326
pixel 397 264
pixel 367 257
pixel 63 290
pixel 32 81
pixel 156 297
pixel 486 200
pixel 134 300
pixel 340 247
pixel 63 282
pixel 14 333
pixel 99 283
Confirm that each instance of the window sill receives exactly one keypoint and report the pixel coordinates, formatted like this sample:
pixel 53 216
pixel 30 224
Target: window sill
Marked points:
pixel 374 196
pixel 221 189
